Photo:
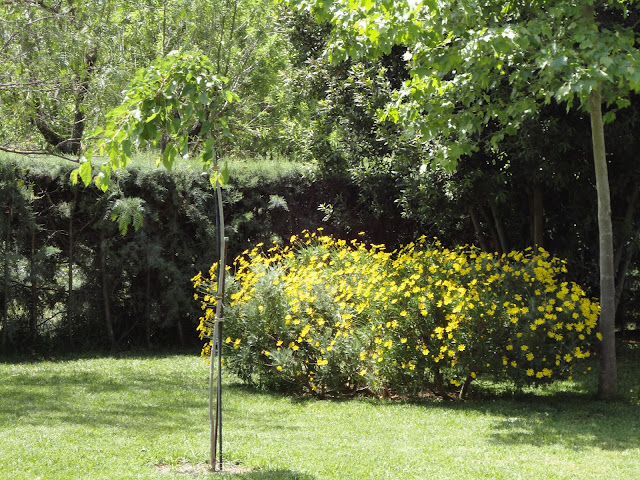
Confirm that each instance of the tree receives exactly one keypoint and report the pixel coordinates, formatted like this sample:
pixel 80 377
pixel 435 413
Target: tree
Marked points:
pixel 176 96
pixel 487 66
pixel 64 64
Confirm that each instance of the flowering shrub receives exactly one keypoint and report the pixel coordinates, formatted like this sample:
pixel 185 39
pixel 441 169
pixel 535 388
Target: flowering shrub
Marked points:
pixel 322 315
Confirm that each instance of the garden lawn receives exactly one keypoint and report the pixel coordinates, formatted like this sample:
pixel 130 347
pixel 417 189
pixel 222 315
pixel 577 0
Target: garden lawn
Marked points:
pixel 146 418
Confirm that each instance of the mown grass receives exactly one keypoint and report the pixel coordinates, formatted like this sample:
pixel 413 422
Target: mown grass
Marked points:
pixel 146 418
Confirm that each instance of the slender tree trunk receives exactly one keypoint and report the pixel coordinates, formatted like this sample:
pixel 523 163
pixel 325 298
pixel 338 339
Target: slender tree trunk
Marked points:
pixel 33 308
pixel 147 308
pixel 439 384
pixel 478 229
pixel 70 275
pixel 465 387
pixel 538 217
pixel 108 321
pixel 5 284
pixel 492 230
pixel 622 276
pixel 180 332
pixel 499 228
pixel 608 371
pixel 627 229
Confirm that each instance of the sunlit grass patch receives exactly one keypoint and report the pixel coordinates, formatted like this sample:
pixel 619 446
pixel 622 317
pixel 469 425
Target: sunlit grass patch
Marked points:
pixel 146 418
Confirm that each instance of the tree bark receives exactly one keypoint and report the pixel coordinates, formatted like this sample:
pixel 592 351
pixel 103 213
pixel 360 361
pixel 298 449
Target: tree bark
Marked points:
pixel 70 275
pixel 147 308
pixel 5 285
pixel 108 321
pixel 478 229
pixel 71 145
pixel 33 308
pixel 607 380
pixel 538 217
pixel 499 228
pixel 465 387
pixel 492 230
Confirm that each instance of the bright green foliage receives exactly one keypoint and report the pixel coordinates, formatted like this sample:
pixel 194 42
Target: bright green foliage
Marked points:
pixel 166 103
pixel 478 65
pixel 329 316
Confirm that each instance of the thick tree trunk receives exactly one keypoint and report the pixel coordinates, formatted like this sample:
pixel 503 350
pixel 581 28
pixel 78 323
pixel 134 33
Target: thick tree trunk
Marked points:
pixel 608 371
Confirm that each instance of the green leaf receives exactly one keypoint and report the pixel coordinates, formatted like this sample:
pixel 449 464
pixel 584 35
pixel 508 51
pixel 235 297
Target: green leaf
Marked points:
pixel 74 176
pixel 103 179
pixel 224 174
pixel 609 117
pixel 169 155
pixel 214 179
pixel 85 172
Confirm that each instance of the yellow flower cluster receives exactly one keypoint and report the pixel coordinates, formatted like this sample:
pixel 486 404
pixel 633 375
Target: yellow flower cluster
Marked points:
pixel 328 315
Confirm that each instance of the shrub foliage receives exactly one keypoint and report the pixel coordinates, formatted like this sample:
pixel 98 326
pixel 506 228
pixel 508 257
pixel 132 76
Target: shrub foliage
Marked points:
pixel 327 316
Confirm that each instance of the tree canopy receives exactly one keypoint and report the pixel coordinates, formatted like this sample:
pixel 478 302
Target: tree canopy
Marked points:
pixel 481 68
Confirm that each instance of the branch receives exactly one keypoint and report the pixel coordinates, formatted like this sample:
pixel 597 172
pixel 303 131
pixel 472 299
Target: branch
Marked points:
pixel 38 152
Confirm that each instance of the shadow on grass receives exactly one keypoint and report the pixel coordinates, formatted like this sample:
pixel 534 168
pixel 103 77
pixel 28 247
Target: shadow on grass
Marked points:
pixel 94 398
pixel 268 475
pixel 160 402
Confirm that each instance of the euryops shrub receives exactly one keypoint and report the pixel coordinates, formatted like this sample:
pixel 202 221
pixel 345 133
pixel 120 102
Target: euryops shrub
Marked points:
pixel 327 316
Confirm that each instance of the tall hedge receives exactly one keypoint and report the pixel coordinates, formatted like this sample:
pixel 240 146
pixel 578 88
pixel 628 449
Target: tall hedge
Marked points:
pixel 72 281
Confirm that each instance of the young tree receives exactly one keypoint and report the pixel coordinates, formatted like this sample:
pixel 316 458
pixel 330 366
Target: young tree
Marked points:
pixel 480 64
pixel 165 104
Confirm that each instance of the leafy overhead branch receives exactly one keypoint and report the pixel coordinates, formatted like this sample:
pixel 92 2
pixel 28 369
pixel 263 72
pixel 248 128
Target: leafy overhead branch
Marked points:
pixel 165 103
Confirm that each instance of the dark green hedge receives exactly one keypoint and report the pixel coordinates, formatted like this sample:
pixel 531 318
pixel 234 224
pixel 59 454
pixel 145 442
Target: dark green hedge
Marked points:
pixel 134 290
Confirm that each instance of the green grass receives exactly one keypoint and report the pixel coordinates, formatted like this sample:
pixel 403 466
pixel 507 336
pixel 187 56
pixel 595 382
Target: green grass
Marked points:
pixel 108 418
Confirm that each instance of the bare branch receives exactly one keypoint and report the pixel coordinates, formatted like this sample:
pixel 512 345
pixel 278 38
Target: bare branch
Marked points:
pixel 38 152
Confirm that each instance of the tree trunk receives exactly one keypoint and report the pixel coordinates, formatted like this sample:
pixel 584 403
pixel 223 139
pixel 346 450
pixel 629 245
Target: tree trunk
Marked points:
pixel 180 332
pixel 33 307
pixel 492 230
pixel 608 372
pixel 108 321
pixel 478 229
pixel 538 217
pixel 465 387
pixel 439 384
pixel 147 308
pixel 70 275
pixel 499 228
pixel 5 284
